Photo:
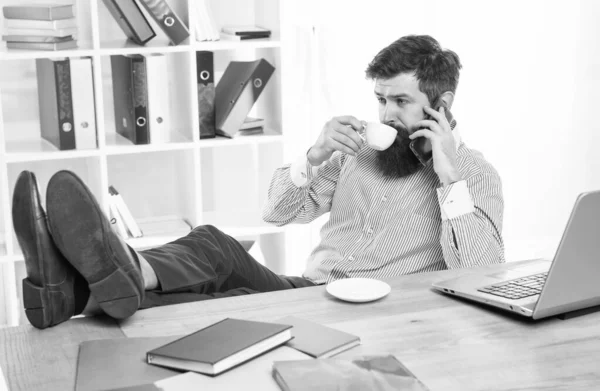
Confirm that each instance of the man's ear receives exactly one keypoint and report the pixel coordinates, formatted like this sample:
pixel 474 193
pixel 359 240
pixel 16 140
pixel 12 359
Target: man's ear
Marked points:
pixel 448 98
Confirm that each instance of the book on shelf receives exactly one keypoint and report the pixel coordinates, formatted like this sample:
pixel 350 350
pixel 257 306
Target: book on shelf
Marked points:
pixel 55 102
pixel 206 93
pixel 237 37
pixel 167 19
pixel 40 24
pixel 252 122
pixel 38 11
pixel 64 45
pixel 63 32
pixel 240 86
pixel 123 211
pixel 84 107
pixel 377 372
pixel 36 39
pixel 130 97
pixel 131 20
pixel 245 30
pixel 220 346
pixel 157 80
pixel 318 340
pixel 249 131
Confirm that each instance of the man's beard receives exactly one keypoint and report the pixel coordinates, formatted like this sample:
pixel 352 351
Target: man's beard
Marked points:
pixel 398 160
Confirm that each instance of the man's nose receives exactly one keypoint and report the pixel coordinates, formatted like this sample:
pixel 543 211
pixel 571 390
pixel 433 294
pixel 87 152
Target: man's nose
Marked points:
pixel 389 115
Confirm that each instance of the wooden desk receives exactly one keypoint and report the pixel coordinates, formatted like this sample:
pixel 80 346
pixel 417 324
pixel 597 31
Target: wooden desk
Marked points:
pixel 448 343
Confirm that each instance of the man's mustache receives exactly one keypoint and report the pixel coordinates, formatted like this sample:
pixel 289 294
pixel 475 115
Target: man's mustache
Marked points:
pixel 402 132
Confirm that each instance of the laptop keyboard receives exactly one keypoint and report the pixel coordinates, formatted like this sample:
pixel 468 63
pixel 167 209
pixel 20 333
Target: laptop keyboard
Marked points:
pixel 519 288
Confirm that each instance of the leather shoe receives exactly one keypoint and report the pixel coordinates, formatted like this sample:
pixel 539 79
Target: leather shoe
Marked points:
pixel 53 290
pixel 84 235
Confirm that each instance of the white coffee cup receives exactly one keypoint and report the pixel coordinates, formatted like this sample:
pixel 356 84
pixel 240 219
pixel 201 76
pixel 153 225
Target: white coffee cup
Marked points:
pixel 377 135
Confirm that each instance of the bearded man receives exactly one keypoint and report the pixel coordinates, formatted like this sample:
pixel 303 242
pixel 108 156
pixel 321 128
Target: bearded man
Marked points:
pixel 389 213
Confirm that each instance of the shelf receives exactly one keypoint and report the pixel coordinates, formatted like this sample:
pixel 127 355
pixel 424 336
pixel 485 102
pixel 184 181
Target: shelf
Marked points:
pixel 223 44
pixel 84 49
pixel 119 145
pixel 156 45
pixel 41 150
pixel 269 136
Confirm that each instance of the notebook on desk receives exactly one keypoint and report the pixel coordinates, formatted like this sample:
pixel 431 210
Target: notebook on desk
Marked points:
pixel 569 283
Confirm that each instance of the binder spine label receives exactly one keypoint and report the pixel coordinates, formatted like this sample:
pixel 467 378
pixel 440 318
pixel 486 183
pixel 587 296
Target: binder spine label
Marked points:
pixel 65 105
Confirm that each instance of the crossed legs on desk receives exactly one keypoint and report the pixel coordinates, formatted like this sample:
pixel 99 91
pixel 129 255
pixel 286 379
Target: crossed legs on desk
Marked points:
pixel 205 264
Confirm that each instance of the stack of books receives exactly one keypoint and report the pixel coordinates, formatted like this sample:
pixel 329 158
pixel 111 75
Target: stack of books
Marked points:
pixel 240 33
pixel 40 26
pixel 251 126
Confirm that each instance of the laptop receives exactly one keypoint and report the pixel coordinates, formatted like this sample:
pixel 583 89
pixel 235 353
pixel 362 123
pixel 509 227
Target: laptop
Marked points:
pixel 570 282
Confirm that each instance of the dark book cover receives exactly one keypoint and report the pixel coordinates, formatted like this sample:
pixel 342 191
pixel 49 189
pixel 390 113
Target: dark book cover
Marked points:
pixel 243 37
pixel 206 93
pixel 55 102
pixel 131 20
pixel 217 342
pixel 240 86
pixel 383 372
pixel 140 100
pixel 122 83
pixel 167 19
pixel 318 340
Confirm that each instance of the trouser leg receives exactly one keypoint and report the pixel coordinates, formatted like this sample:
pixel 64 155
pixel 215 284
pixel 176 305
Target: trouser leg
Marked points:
pixel 206 264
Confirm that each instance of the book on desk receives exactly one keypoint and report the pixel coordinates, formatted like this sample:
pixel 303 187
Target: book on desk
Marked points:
pixel 118 363
pixel 220 346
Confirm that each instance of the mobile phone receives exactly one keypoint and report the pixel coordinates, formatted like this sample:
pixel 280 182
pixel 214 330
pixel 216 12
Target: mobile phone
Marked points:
pixel 421 146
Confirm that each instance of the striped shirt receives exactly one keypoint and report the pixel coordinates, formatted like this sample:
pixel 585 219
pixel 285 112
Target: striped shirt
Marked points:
pixel 380 226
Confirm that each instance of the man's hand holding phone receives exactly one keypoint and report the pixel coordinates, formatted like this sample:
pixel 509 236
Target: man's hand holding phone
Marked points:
pixel 338 134
pixel 437 130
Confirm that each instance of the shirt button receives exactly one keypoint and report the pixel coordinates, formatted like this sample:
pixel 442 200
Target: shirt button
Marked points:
pixel 370 231
pixel 383 199
pixel 351 258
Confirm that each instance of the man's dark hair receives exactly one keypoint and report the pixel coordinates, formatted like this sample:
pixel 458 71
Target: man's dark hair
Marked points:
pixel 436 69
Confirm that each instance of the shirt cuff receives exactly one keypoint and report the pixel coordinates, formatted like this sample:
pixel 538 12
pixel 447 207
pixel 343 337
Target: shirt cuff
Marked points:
pixel 301 171
pixel 455 200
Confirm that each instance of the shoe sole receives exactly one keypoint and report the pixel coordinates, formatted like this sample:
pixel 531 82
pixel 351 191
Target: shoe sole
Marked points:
pixel 37 300
pixel 117 294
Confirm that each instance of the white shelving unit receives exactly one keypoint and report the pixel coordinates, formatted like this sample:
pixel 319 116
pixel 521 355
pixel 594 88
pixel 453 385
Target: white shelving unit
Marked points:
pixel 219 181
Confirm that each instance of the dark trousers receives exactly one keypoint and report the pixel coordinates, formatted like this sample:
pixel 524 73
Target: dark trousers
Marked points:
pixel 209 264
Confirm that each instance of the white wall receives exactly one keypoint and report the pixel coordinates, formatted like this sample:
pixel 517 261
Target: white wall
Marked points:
pixel 529 87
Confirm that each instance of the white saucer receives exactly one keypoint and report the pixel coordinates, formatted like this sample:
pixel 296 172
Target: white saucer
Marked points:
pixel 358 290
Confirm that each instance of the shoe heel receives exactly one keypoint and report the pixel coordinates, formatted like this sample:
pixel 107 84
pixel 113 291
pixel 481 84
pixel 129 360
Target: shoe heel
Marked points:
pixel 121 308
pixel 117 295
pixel 35 301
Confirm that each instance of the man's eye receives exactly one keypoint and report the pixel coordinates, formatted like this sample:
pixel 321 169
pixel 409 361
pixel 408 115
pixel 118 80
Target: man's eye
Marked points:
pixel 401 101
pixel 381 100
